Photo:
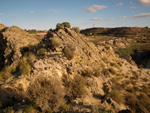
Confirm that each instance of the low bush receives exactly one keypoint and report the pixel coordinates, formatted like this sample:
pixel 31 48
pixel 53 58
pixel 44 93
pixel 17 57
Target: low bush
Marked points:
pixel 144 100
pixel 6 72
pixel 125 52
pixel 116 96
pixel 42 51
pixel 76 29
pixel 47 94
pixel 131 100
pixel 69 52
pixel 24 66
pixel 55 42
pixel 75 87
pixel 63 25
pixel 31 58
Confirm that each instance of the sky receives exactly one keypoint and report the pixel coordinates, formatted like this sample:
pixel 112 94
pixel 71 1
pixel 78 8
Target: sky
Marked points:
pixel 45 14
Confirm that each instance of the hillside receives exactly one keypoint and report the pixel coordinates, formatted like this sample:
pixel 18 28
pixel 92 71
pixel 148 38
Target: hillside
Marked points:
pixel 67 73
pixel 119 32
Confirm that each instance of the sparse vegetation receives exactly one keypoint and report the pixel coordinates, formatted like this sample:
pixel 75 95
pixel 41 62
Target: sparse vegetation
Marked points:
pixel 116 96
pixel 125 52
pixel 69 52
pixel 47 94
pixel 42 51
pixel 63 25
pixel 55 42
pixel 75 87
pixel 76 29
pixel 24 66
pixel 6 72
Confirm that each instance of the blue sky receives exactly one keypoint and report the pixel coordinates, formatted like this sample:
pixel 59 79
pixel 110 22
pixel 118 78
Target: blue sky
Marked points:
pixel 45 14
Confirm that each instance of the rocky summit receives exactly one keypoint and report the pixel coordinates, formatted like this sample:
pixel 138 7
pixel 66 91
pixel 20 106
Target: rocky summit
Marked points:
pixel 65 72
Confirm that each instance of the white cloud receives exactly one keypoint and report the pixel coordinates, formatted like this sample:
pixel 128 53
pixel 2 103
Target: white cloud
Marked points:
pixel 142 15
pixel 133 7
pixel 53 10
pixel 32 11
pixel 119 4
pixel 94 8
pixel 123 17
pixel 1 14
pixel 95 19
pixel 144 3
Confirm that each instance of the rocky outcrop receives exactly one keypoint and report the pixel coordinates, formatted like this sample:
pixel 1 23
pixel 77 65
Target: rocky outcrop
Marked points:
pixel 12 39
pixel 93 77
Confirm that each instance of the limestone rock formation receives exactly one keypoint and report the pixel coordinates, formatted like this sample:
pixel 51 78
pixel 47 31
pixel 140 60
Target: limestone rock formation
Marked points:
pixel 12 39
pixel 93 78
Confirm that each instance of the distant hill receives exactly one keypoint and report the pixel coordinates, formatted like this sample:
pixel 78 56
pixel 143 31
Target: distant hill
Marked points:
pixel 120 31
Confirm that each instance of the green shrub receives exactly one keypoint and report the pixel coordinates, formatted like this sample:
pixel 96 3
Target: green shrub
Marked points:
pixel 125 52
pixel 116 96
pixel 76 29
pixel 55 42
pixel 63 25
pixel 66 24
pixel 59 26
pixel 69 52
pixel 47 94
pixel 42 51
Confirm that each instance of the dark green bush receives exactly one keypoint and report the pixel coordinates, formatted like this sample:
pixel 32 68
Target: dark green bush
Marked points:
pixel 66 24
pixel 63 25
pixel 59 26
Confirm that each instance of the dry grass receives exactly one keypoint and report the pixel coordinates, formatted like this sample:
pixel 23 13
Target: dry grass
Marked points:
pixel 55 42
pixel 69 52
pixel 47 94
pixel 6 72
pixel 75 87
pixel 116 96
pixel 24 66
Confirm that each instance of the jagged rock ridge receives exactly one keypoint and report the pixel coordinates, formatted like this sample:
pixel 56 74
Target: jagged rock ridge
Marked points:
pixel 104 74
